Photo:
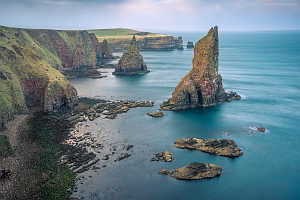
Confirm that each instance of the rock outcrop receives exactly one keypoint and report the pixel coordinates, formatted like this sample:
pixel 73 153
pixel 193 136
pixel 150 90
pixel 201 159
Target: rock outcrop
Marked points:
pixel 163 156
pixel 190 45
pixel 131 62
pixel 194 171
pixel 156 114
pixel 203 85
pixel 222 147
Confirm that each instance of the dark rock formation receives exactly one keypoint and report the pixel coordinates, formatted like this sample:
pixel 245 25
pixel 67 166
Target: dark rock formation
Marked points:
pixel 162 43
pixel 196 170
pixel 222 147
pixel 5 146
pixel 163 156
pixel 190 44
pixel 156 114
pixel 131 62
pixel 4 174
pixel 261 129
pixel 165 171
pixel 203 85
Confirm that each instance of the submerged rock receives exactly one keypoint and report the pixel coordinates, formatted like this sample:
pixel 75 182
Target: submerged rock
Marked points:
pixel 131 62
pixel 163 156
pixel 197 170
pixel 203 85
pixel 165 171
pixel 222 147
pixel 156 114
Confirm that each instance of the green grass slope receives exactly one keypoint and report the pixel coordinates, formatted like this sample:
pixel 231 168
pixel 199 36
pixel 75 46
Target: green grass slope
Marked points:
pixel 113 35
pixel 25 59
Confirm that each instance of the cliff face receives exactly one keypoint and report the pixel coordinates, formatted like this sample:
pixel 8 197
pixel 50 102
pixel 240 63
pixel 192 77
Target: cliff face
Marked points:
pixel 149 44
pixel 131 62
pixel 102 49
pixel 203 85
pixel 30 65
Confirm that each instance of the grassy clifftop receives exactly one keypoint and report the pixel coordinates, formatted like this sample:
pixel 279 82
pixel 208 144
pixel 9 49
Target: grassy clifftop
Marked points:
pixel 113 35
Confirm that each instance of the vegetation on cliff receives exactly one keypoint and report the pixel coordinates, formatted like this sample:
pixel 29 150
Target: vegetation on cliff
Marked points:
pixel 31 63
pixel 119 39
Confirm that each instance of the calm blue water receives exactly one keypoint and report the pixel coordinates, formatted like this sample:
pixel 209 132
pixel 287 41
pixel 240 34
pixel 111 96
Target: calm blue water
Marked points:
pixel 263 67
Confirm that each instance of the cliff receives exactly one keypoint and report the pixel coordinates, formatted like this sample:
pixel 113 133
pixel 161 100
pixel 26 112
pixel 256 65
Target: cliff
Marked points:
pixel 120 39
pixel 131 62
pixel 30 64
pixel 203 85
pixel 165 43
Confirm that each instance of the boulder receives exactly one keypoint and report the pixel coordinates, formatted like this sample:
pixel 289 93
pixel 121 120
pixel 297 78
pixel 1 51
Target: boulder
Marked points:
pixel 163 156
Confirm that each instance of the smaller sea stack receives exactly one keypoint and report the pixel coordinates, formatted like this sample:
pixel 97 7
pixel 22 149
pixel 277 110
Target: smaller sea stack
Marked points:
pixel 131 62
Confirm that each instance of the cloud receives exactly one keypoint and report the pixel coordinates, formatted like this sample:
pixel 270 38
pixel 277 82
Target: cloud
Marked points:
pixel 57 2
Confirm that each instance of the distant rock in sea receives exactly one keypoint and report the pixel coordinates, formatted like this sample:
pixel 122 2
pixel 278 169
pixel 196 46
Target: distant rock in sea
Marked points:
pixel 131 62
pixel 222 147
pixel 203 85
pixel 190 45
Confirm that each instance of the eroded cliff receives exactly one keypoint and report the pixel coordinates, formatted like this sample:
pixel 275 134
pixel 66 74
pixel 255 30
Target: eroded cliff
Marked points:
pixel 203 85
pixel 30 64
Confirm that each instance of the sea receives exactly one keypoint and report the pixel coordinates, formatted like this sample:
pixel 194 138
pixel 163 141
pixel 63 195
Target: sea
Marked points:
pixel 263 67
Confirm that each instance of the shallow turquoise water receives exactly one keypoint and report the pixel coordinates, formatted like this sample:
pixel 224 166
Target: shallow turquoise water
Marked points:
pixel 264 68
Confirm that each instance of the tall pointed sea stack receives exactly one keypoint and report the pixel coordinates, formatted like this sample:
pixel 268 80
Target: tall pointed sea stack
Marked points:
pixel 203 85
pixel 131 62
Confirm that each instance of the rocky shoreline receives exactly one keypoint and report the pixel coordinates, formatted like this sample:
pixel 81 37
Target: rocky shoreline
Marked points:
pixel 66 146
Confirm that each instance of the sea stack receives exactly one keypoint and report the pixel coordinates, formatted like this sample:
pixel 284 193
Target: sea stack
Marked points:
pixel 203 85
pixel 190 45
pixel 131 62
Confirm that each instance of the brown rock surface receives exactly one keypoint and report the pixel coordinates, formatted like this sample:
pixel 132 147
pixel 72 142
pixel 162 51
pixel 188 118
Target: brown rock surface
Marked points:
pixel 203 85
pixel 163 156
pixel 131 62
pixel 156 114
pixel 197 170
pixel 222 147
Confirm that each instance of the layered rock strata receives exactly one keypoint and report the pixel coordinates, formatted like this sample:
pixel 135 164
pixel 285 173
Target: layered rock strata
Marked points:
pixel 131 62
pixel 194 171
pixel 203 85
pixel 222 147
pixel 163 43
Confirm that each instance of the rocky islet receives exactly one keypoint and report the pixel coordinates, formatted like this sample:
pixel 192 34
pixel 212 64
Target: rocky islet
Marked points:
pixel 222 147
pixel 202 86
pixel 131 62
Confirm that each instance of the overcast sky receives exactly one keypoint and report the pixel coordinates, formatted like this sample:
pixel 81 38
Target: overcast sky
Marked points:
pixel 190 15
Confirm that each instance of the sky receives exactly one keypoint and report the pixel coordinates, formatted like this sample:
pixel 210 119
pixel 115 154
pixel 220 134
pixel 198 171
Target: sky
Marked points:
pixel 180 15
